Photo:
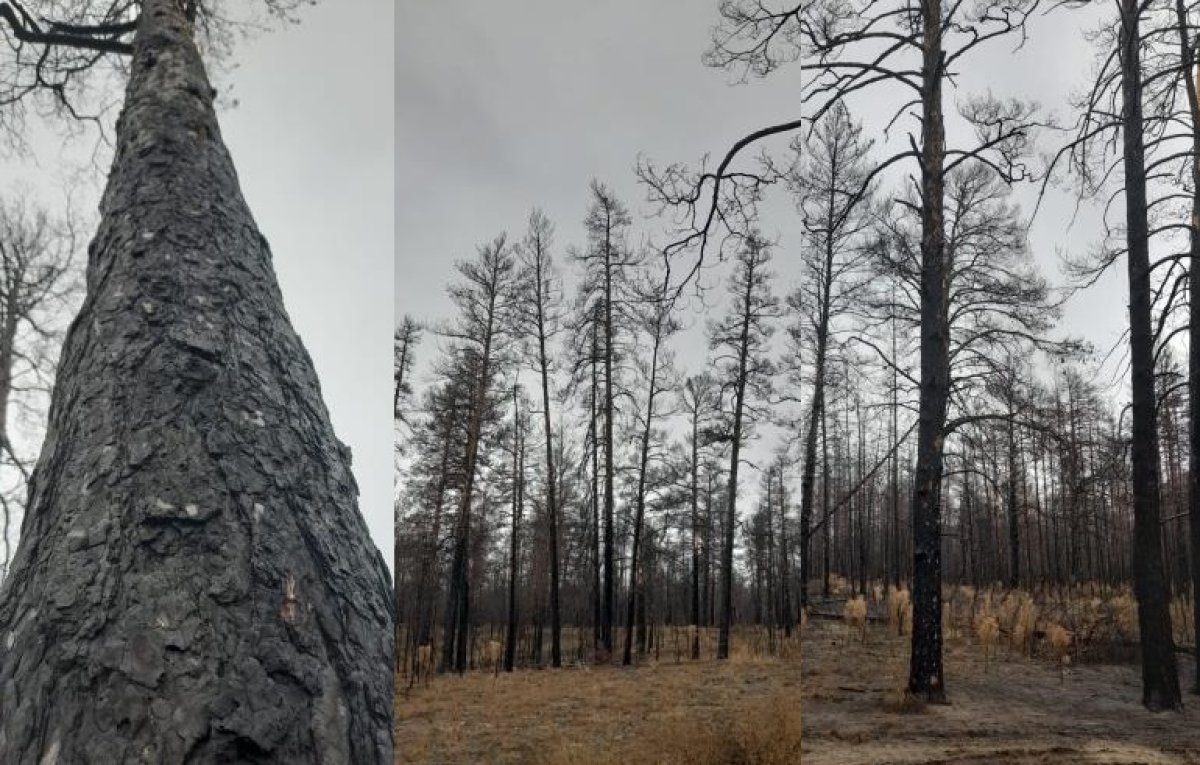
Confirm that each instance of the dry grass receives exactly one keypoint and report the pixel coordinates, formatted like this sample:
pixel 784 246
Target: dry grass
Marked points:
pixel 988 632
pixel 1101 618
pixel 899 608
pixel 1023 627
pixel 765 732
pixel 855 616
pixel 746 710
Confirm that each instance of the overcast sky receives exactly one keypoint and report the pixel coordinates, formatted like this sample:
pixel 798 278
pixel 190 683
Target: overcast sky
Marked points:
pixel 506 106
pixel 313 141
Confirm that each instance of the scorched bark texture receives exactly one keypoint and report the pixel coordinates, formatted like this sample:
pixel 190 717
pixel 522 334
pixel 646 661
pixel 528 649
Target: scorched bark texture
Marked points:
pixel 194 581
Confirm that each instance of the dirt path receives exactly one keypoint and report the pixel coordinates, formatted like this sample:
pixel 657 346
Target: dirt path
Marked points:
pixel 1016 712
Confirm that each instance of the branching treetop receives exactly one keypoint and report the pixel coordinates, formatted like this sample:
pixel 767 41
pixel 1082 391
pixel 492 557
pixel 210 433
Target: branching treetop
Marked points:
pixel 65 58
pixel 845 48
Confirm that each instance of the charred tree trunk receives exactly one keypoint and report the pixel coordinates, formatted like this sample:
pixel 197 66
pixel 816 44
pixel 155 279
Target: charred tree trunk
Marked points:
pixel 739 401
pixel 808 477
pixel 608 604
pixel 730 524
pixel 784 565
pixel 1160 679
pixel 1193 96
pixel 428 563
pixel 596 615
pixel 895 545
pixel 1014 529
pixel 695 490
pixel 635 585
pixel 194 581
pixel 925 667
pixel 816 412
pixel 514 544
pixel 551 482
pixel 826 509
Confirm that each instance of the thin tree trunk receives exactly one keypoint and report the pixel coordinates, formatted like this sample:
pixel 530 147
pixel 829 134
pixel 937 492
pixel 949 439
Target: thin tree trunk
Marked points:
pixel 609 498
pixel 1014 529
pixel 695 490
pixel 826 506
pixel 596 611
pixel 514 546
pixel 784 563
pixel 551 485
pixel 895 453
pixel 739 398
pixel 640 501
pixel 815 415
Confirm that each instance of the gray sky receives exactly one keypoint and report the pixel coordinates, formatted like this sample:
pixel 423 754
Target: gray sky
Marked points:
pixel 505 106
pixel 313 141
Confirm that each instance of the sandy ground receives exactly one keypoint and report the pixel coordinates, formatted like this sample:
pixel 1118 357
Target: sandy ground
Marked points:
pixel 657 713
pixel 1015 712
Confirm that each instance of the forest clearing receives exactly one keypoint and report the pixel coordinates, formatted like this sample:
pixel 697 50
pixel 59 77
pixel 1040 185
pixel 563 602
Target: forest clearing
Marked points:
pixel 1010 706
pixel 673 710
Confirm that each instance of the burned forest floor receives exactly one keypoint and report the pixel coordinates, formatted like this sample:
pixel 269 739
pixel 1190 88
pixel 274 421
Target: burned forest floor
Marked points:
pixel 662 712
pixel 1013 710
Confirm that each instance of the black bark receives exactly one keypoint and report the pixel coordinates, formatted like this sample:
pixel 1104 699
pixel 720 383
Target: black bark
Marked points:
pixel 194 581
pixel 1160 678
pixel 925 667
pixel 514 545
pixel 695 501
pixel 1192 89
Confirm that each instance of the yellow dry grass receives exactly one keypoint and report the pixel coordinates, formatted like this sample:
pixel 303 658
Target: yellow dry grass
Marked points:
pixel 988 631
pixel 1023 627
pixel 899 610
pixel 745 710
pixel 855 615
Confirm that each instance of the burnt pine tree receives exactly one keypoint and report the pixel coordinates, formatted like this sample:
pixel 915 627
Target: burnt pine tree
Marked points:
pixel 606 259
pixel 699 403
pixel 540 313
pixel 1160 678
pixel 828 181
pixel 481 335
pixel 584 348
pixel 514 542
pixel 1115 104
pixel 1192 91
pixel 194 581
pixel 653 313
pixel 739 342
pixel 786 618
pixel 431 477
pixel 1193 97
pixel 405 340
pixel 1171 146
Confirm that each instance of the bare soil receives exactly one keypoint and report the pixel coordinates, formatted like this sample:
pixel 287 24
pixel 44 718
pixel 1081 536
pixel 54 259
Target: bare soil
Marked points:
pixel 1014 710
